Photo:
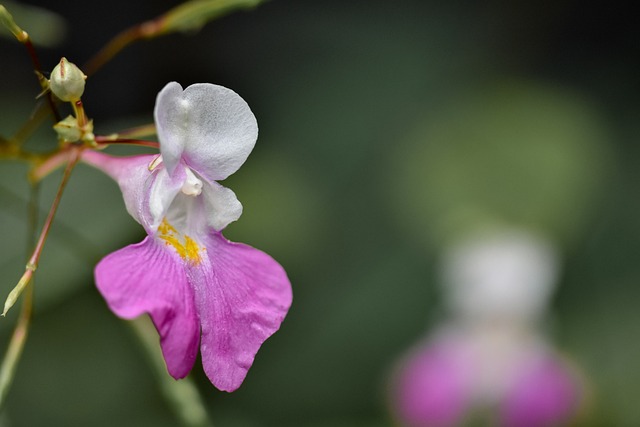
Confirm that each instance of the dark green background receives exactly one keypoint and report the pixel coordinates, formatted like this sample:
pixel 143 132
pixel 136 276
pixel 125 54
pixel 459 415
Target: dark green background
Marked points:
pixel 341 192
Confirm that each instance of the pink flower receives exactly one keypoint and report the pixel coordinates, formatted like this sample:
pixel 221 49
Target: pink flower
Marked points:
pixel 489 360
pixel 442 383
pixel 200 290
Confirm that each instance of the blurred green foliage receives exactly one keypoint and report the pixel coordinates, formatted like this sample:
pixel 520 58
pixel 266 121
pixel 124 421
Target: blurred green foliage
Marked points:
pixel 384 128
pixel 507 154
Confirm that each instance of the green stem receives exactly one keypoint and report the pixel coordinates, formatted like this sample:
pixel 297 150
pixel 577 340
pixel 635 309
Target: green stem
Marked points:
pixel 182 395
pixel 189 15
pixel 38 71
pixel 112 48
pixel 23 37
pixel 32 264
pixel 21 331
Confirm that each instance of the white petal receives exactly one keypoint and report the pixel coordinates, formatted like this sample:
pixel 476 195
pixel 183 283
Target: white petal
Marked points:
pixel 162 193
pixel 211 127
pixel 222 206
pixel 508 275
pixel 170 116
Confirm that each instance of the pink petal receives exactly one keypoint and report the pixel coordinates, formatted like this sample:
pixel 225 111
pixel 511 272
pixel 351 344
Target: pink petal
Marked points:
pixel 545 394
pixel 147 195
pixel 433 387
pixel 148 278
pixel 242 295
pixel 131 173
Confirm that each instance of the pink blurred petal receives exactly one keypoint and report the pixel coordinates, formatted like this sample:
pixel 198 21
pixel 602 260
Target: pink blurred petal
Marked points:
pixel 545 394
pixel 242 296
pixel 149 278
pixel 433 387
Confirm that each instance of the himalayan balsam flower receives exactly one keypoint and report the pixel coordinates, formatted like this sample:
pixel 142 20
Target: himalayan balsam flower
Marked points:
pixel 442 382
pixel 199 289
pixel 489 356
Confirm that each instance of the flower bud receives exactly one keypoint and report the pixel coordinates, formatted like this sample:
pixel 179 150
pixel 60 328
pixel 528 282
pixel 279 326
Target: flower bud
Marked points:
pixel 67 81
pixel 68 129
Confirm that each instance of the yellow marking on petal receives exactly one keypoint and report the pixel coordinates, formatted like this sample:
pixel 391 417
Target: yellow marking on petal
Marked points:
pixel 177 245
pixel 192 249
pixel 185 246
pixel 166 228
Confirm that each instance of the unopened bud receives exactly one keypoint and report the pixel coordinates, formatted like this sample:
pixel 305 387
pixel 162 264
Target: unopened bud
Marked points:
pixel 67 81
pixel 68 129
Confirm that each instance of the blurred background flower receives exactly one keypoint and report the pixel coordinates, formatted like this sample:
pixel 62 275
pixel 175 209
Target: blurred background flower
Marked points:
pixel 489 363
pixel 386 131
pixel 508 154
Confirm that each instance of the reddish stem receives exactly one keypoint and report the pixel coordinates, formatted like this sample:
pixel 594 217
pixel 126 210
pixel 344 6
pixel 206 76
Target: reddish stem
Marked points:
pixel 104 141
pixel 74 157
pixel 36 66
pixel 32 264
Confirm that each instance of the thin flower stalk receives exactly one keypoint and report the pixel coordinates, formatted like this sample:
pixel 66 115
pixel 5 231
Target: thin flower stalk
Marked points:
pixel 183 396
pixel 132 133
pixel 23 37
pixel 190 15
pixel 21 330
pixel 32 264
pixel 105 141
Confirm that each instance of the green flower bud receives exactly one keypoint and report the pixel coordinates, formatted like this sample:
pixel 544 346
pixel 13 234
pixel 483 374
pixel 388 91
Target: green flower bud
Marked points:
pixel 67 81
pixel 68 129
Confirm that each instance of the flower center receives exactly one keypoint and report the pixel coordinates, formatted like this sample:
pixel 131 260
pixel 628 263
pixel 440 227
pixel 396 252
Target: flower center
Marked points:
pixel 184 245
pixel 192 186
